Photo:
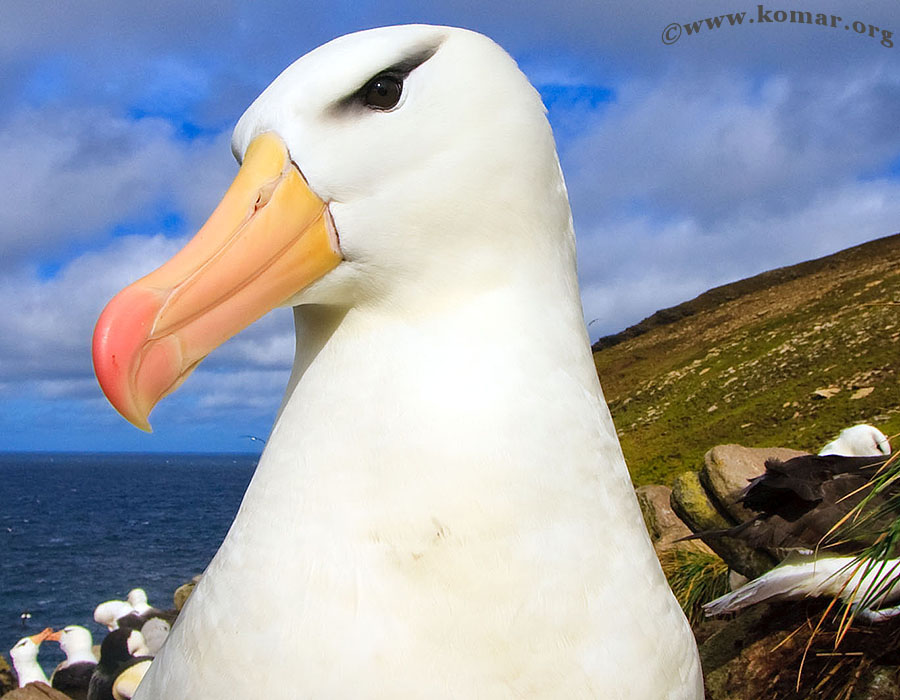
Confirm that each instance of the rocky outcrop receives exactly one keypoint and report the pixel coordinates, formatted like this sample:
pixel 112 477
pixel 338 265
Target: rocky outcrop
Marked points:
pixel 727 469
pixel 666 529
pixel 35 691
pixel 788 651
pixel 692 504
pixel 8 679
pixel 7 676
pixel 708 500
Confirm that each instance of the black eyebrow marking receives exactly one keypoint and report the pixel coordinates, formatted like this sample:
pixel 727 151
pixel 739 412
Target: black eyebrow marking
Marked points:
pixel 400 70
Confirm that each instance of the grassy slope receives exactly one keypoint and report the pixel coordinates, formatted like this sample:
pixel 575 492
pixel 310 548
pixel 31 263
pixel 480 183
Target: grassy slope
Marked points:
pixel 742 363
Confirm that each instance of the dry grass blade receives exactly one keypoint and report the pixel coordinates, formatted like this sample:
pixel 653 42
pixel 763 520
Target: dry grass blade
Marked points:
pixel 809 642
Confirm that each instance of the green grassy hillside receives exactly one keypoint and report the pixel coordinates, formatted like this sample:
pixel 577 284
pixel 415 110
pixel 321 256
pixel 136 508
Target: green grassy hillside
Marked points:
pixel 786 358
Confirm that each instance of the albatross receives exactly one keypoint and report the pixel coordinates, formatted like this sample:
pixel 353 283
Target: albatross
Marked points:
pixel 858 441
pixel 24 657
pixel 442 508
pixel 73 676
pixel 803 509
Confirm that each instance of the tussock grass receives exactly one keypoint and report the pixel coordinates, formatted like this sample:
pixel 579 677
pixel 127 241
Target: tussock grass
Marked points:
pixel 695 577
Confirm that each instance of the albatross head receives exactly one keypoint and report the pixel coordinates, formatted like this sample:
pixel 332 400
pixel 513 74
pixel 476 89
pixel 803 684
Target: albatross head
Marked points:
pixel 25 651
pixel 382 169
pixel 75 641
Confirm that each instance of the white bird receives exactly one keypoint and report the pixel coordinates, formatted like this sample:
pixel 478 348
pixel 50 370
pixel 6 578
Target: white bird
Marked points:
pixel 137 599
pixel 132 612
pixel 24 657
pixel 110 612
pixel 809 575
pixel 858 441
pixel 442 509
pixel 74 674
pixel 155 632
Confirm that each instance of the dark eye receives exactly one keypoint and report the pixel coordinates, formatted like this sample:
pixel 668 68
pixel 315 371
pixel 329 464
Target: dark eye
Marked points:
pixel 383 92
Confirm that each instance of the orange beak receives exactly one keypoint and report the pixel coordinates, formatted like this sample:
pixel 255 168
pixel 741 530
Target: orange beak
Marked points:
pixel 54 636
pixel 268 239
pixel 38 638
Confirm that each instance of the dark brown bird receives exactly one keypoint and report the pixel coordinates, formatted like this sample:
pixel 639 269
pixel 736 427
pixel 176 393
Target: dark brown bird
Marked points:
pixel 805 509
pixel 799 502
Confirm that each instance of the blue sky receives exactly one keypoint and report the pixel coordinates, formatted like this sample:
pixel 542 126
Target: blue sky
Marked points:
pixel 731 151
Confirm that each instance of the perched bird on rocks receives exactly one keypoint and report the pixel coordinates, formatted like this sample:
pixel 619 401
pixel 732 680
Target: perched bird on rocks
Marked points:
pixel 142 612
pixel 123 658
pixel 799 506
pixel 73 676
pixel 858 441
pixel 24 656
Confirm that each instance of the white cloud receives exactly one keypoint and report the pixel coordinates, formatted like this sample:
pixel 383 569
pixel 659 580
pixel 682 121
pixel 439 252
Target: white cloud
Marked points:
pixel 46 325
pixel 46 328
pixel 69 175
pixel 637 265
pixel 709 147
pixel 259 390
pixel 690 181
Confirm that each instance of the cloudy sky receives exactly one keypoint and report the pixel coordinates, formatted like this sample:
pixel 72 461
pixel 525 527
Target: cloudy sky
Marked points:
pixel 695 155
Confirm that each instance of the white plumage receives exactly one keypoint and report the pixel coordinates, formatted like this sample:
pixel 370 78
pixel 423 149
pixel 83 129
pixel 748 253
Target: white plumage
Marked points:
pixel 858 441
pixel 809 575
pixel 110 612
pixel 24 657
pixel 442 509
pixel 77 644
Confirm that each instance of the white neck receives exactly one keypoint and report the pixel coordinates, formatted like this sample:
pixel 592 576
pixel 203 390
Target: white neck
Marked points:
pixel 77 656
pixel 439 491
pixel 29 671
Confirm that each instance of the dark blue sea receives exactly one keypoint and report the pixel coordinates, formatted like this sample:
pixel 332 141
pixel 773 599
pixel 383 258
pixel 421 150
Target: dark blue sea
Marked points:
pixel 79 529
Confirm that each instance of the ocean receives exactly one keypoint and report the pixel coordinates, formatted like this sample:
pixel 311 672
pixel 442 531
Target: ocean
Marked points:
pixel 80 529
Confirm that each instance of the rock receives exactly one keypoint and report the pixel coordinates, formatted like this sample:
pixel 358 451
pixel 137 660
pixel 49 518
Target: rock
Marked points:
pixel 728 468
pixel 8 679
pixel 657 511
pixel 884 684
pixel 664 526
pixel 826 392
pixel 35 691
pixel 721 648
pixel 691 503
pixel 736 580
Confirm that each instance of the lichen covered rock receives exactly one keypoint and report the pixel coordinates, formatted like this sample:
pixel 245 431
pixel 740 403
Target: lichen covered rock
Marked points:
pixel 692 504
